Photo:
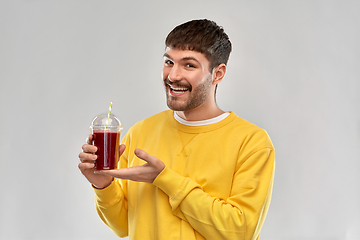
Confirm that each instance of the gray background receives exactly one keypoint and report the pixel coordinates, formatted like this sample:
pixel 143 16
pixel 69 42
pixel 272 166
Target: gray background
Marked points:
pixel 294 71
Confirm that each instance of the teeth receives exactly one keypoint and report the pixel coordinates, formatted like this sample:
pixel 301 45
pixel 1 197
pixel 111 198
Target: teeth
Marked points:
pixel 178 88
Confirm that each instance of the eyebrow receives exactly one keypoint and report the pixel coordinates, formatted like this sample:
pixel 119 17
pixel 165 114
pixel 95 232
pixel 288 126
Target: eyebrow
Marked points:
pixel 183 59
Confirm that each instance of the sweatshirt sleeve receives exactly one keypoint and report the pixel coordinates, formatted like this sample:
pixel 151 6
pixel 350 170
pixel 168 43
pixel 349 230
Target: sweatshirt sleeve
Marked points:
pixel 111 207
pixel 238 217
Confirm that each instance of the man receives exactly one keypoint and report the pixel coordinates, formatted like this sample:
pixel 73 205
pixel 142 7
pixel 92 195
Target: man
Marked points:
pixel 192 172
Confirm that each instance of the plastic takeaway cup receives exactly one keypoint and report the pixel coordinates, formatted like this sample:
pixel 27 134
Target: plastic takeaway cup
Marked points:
pixel 106 137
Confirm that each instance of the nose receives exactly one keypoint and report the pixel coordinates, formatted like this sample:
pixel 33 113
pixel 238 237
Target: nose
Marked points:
pixel 175 73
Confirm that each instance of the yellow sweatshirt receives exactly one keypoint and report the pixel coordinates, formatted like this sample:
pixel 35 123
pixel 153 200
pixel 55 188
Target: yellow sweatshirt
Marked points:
pixel 217 182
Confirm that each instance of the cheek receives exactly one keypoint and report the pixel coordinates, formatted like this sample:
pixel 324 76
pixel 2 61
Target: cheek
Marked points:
pixel 197 79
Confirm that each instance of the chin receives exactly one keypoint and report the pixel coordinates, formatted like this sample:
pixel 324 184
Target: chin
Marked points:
pixel 181 107
pixel 176 106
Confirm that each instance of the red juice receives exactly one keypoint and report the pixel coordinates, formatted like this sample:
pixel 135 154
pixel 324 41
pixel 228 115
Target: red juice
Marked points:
pixel 108 149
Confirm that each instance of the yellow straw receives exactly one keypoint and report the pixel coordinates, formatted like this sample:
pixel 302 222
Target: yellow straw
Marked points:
pixel 108 116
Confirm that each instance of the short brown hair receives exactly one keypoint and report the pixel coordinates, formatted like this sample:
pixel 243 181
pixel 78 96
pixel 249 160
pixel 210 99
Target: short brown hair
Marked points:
pixel 203 36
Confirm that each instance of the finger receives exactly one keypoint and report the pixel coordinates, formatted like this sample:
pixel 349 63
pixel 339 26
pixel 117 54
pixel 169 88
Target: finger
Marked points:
pixel 122 173
pixel 89 148
pixel 87 157
pixel 89 139
pixel 85 166
pixel 145 156
pixel 122 148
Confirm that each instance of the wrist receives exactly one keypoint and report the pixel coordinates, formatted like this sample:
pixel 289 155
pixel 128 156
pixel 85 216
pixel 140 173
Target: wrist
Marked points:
pixel 102 186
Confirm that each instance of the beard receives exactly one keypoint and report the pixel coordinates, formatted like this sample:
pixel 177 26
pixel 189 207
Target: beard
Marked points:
pixel 196 96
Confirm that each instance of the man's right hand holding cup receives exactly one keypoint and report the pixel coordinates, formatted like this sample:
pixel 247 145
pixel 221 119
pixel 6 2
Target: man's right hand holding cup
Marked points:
pixel 87 164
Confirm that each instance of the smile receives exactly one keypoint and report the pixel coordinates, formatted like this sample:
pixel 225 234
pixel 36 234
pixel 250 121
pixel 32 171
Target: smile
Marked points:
pixel 177 90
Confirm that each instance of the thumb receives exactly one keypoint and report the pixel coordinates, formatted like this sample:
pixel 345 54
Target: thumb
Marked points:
pixel 144 156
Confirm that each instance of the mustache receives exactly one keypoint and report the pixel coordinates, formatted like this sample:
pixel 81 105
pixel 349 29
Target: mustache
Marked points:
pixel 176 84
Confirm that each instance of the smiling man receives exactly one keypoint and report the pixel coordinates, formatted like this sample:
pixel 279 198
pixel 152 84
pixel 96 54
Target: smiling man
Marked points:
pixel 190 84
pixel 194 171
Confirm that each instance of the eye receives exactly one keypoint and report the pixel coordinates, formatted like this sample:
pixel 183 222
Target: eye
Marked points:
pixel 168 62
pixel 189 65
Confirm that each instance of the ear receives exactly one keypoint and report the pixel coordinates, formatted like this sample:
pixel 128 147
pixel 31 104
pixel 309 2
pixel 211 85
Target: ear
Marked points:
pixel 218 73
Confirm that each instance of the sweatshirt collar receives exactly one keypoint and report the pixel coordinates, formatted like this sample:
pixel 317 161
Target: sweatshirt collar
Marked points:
pixel 200 127
pixel 202 122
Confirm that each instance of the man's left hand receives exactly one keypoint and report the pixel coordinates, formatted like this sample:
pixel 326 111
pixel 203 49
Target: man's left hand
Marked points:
pixel 144 173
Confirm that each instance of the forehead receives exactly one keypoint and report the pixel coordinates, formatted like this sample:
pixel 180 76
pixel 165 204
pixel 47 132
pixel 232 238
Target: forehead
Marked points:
pixel 183 55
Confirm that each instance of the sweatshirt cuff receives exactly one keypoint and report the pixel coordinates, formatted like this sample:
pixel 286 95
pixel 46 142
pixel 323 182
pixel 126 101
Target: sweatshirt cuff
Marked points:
pixel 106 194
pixel 169 182
pixel 174 185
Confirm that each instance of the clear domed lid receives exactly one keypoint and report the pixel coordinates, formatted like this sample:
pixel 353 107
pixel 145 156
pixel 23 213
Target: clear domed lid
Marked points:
pixel 102 120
